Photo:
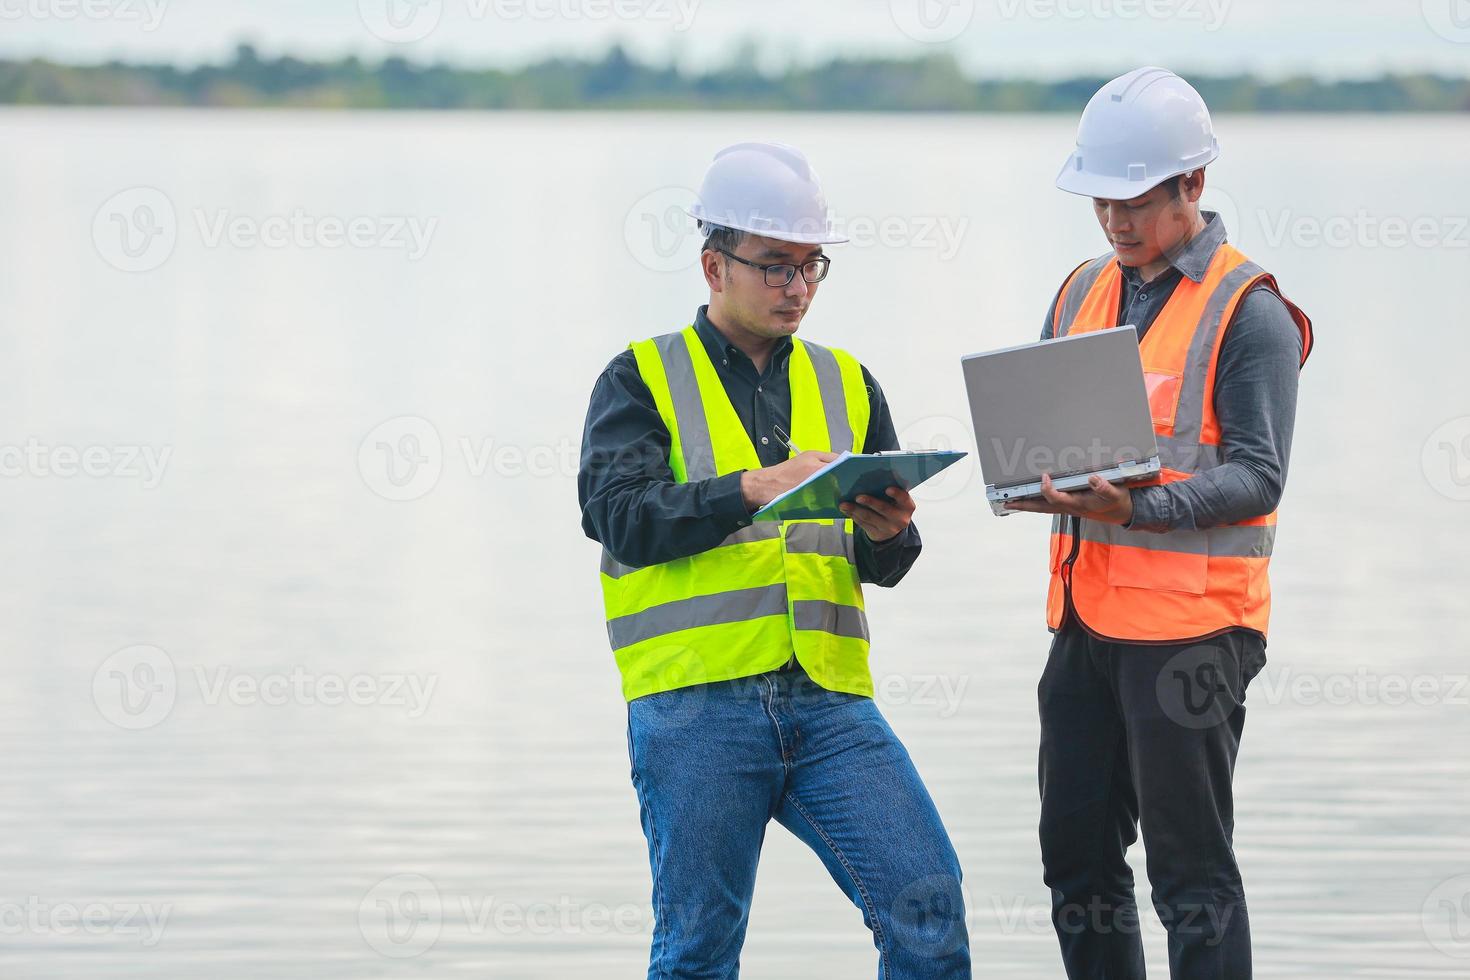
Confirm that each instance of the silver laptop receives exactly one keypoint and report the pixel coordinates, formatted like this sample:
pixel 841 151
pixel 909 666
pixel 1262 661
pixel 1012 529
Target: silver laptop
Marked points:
pixel 1069 407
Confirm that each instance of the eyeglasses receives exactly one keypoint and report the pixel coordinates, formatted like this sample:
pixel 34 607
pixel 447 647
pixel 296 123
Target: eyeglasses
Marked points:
pixel 781 274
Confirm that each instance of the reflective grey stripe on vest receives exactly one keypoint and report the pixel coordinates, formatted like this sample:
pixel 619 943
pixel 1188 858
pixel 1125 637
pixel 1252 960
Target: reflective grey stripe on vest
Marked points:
pixel 1082 283
pixel 1189 418
pixel 1230 541
pixel 694 439
pixel 834 401
pixel 759 531
pixel 1186 456
pixel 820 539
pixel 701 610
pixel 829 617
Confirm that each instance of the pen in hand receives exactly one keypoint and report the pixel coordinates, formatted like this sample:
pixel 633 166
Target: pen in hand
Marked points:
pixel 786 440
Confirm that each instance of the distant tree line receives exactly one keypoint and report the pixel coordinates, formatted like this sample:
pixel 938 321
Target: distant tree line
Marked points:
pixel 617 81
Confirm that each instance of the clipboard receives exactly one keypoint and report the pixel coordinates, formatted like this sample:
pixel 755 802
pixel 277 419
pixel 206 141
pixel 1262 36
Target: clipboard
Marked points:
pixel 851 474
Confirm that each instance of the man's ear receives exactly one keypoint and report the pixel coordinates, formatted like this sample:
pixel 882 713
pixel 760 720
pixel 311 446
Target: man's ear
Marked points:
pixel 1192 185
pixel 709 262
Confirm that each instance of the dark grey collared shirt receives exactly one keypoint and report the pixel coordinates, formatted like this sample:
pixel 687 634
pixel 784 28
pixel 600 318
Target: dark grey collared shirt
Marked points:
pixel 633 507
pixel 1255 398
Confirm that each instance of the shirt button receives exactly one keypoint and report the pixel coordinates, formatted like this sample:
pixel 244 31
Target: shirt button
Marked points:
pixel 726 362
pixel 759 389
pixel 764 440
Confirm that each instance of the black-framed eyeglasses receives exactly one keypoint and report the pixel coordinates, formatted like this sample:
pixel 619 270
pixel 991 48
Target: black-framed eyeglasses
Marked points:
pixel 781 274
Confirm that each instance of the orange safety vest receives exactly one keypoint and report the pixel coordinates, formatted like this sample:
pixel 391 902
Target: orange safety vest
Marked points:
pixel 1147 587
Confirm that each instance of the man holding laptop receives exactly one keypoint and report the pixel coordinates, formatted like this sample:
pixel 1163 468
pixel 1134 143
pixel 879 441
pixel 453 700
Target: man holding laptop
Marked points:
pixel 1159 597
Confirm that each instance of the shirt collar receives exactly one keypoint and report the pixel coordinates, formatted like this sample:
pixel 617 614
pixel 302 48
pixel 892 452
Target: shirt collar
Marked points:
pixel 1193 260
pixel 719 348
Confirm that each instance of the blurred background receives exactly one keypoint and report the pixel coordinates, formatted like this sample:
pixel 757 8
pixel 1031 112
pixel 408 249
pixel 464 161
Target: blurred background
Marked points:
pixel 305 669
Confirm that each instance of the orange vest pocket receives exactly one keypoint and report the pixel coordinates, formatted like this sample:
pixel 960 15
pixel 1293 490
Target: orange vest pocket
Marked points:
pixel 1163 395
pixel 1162 571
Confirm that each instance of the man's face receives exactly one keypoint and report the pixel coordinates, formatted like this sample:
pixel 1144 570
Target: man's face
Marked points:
pixel 767 311
pixel 1149 228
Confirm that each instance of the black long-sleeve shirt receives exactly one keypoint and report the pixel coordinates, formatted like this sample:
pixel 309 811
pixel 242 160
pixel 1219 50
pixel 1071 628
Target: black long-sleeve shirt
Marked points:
pixel 633 507
pixel 1255 398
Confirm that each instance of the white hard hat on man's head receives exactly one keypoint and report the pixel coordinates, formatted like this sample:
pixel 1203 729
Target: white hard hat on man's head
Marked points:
pixel 1139 130
pixel 767 189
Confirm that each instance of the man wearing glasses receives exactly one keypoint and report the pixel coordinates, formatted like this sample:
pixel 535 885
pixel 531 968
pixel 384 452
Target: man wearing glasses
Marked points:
pixel 743 645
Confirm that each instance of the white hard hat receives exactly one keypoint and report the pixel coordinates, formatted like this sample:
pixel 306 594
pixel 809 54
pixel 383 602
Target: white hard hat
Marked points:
pixel 768 189
pixel 1139 130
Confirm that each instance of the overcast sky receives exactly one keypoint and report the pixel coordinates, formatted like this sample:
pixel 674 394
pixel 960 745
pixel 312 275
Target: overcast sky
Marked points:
pixel 1038 38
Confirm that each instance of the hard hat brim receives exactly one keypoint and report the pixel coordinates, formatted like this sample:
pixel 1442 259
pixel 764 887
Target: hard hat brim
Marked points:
pixel 1075 181
pixel 794 237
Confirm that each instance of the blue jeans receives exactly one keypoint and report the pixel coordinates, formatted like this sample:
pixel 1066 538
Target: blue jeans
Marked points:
pixel 713 763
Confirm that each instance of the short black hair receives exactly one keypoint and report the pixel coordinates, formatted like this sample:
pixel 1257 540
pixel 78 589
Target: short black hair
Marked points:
pixel 720 238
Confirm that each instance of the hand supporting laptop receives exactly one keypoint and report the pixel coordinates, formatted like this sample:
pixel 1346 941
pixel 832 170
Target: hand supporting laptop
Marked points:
pixel 1101 501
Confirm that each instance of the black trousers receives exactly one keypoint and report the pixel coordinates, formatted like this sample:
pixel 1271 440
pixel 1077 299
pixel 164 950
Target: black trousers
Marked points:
pixel 1137 733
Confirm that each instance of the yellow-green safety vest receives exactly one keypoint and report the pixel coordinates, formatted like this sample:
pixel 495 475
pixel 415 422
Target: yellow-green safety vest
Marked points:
pixel 768 590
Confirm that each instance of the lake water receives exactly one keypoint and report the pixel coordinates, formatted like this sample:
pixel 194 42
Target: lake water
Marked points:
pixel 305 667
